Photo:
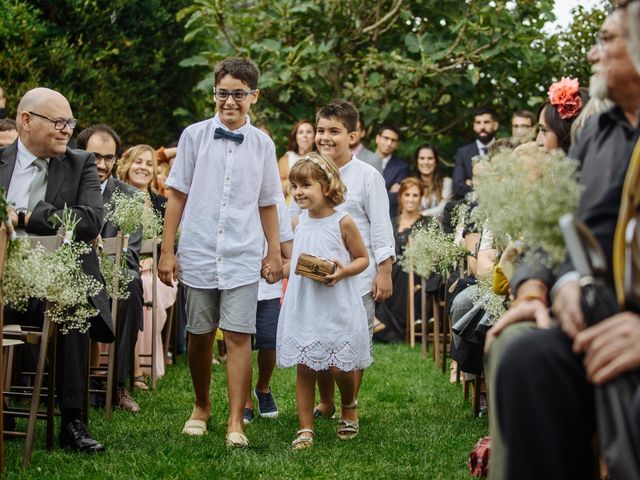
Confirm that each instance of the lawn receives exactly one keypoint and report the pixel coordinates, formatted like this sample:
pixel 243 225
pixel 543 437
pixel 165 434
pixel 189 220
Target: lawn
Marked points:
pixel 414 424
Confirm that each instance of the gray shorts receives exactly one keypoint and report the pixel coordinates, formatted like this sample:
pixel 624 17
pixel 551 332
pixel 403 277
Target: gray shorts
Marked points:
pixel 233 310
pixel 370 308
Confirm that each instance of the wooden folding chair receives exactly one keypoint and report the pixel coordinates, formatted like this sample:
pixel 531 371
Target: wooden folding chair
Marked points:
pixel 4 245
pixel 112 247
pixel 410 323
pixel 150 247
pixel 46 339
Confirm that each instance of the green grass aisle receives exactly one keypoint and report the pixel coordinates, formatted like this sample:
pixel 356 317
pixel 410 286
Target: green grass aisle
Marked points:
pixel 414 424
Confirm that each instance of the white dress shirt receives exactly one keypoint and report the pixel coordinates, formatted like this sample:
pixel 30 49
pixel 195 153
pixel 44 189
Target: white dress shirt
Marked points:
pixel 22 177
pixel 367 203
pixel 385 162
pixel 221 240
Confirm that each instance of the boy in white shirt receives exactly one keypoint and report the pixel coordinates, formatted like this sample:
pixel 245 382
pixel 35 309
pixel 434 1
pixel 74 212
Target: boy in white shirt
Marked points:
pixel 225 186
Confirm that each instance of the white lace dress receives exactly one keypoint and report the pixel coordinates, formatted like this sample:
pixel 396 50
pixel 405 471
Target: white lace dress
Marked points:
pixel 321 326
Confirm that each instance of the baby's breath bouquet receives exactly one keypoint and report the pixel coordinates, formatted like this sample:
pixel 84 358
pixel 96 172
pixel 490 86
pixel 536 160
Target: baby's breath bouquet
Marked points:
pixel 116 279
pixel 129 212
pixel 522 194
pixel 68 295
pixel 491 303
pixel 432 250
pixel 56 277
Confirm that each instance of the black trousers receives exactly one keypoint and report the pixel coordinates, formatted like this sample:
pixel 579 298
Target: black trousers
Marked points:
pixel 546 408
pixel 72 355
pixel 130 321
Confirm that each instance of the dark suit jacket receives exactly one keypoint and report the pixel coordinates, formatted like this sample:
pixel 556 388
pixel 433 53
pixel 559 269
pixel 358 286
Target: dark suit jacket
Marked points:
pixel 395 171
pixel 109 230
pixel 462 170
pixel 73 181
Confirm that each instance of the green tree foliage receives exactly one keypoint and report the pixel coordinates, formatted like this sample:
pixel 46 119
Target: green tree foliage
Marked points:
pixel 116 61
pixel 421 64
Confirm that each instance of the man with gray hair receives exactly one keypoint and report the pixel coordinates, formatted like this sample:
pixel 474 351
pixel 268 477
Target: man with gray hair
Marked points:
pixel 42 177
pixel 545 385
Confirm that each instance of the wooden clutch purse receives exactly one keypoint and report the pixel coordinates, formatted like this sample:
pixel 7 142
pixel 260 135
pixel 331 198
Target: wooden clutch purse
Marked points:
pixel 315 268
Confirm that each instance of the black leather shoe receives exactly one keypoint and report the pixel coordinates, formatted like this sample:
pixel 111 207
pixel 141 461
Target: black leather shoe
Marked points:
pixel 75 436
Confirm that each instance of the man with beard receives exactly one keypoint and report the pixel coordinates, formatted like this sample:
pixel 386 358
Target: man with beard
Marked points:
pixel 485 125
pixel 104 143
pixel 545 376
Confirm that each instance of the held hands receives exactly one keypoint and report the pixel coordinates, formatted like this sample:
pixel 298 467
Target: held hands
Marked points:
pixel 611 347
pixel 168 270
pixel 271 269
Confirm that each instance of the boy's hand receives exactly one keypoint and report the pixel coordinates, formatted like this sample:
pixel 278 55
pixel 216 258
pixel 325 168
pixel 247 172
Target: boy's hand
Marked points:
pixel 382 286
pixel 338 274
pixel 168 268
pixel 271 269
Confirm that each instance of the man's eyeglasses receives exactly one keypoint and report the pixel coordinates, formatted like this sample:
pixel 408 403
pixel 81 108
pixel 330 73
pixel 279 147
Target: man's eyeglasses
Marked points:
pixel 58 124
pixel 238 95
pixel 106 158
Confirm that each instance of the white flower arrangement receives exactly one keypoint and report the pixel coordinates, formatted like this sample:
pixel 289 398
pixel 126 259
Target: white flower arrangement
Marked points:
pixel 116 279
pixel 432 250
pixel 57 277
pixel 129 212
pixel 491 303
pixel 522 194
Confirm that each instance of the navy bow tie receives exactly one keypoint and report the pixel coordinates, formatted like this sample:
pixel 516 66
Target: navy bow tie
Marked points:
pixel 222 133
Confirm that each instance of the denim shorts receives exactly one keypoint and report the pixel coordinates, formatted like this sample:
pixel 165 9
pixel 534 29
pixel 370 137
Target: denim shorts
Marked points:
pixel 233 310
pixel 267 324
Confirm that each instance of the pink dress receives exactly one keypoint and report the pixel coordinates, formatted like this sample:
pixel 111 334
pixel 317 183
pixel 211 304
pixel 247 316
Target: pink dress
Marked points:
pixel 165 297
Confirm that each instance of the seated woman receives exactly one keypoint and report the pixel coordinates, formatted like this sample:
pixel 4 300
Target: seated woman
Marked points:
pixel 392 314
pixel 138 168
pixel 301 142
pixel 437 189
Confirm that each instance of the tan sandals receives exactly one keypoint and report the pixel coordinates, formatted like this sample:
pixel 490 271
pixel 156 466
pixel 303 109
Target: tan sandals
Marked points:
pixel 304 439
pixel 348 429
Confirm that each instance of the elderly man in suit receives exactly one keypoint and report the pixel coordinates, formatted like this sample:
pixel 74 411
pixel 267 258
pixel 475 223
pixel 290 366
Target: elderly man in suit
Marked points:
pixel 104 143
pixel 394 169
pixel 485 126
pixel 42 176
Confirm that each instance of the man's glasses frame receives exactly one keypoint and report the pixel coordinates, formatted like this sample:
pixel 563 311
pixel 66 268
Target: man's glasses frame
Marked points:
pixel 237 95
pixel 58 124
pixel 106 158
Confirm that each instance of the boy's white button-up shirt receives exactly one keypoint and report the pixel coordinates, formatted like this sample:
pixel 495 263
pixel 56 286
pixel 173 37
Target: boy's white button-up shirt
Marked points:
pixel 221 237
pixel 367 203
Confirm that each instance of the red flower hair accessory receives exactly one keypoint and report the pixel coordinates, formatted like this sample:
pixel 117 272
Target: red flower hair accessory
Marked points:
pixel 565 96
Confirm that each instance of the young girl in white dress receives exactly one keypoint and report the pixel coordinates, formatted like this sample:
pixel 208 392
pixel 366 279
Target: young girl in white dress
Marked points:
pixel 324 326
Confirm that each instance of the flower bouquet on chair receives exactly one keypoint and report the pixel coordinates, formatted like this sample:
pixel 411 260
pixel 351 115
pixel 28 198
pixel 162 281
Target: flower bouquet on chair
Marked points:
pixel 618 401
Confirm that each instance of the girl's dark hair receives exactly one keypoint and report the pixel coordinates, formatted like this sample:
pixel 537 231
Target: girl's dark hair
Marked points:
pixel 436 184
pixel 293 143
pixel 559 126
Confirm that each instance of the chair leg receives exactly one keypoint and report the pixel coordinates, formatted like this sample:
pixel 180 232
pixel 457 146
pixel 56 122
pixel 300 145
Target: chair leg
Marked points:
pixel 109 395
pixel 436 331
pixel 35 399
pixel 445 336
pixel 477 387
pixel 51 391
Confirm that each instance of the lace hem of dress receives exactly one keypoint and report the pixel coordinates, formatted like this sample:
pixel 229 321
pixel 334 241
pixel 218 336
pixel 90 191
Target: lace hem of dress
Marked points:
pixel 317 356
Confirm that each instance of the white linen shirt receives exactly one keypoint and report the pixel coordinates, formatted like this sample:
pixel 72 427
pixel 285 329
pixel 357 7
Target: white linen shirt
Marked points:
pixel 221 237
pixel 367 203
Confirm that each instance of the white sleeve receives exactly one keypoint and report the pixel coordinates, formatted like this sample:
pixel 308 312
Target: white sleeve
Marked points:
pixel 376 206
pixel 181 173
pixel 270 189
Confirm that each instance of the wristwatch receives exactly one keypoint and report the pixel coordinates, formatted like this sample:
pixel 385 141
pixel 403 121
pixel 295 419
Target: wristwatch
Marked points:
pixel 22 213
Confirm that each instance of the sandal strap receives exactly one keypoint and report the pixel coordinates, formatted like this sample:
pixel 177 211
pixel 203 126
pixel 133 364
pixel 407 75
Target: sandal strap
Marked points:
pixel 353 404
pixel 305 430
pixel 348 426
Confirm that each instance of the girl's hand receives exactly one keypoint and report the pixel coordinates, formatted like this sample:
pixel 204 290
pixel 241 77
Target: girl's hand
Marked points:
pixel 339 273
